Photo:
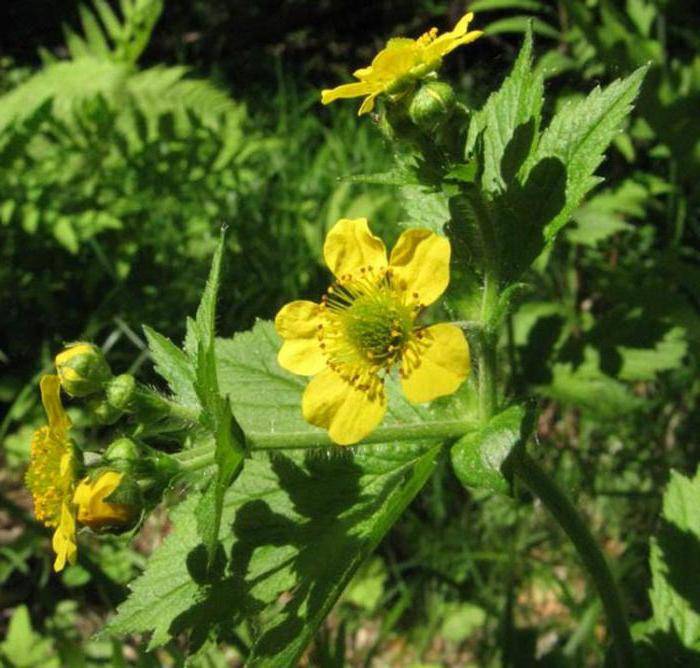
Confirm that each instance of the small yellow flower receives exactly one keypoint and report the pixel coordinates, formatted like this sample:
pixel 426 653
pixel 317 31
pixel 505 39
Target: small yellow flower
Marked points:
pixel 366 324
pixel 93 510
pixel 401 63
pixel 51 474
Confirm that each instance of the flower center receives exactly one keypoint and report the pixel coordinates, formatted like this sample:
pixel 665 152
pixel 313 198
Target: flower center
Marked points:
pixel 368 323
pixel 378 326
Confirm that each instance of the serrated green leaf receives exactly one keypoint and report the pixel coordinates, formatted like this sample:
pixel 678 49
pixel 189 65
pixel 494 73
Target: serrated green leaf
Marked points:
pixel 216 414
pixel 579 135
pixel 480 459
pixel 229 453
pixel 294 522
pixel 588 388
pixel 674 560
pixel 509 122
pixel 531 181
pixel 174 366
pixel 425 207
pixel 559 173
pixel 206 311
pixel 646 363
pixel 593 226
pixel 23 646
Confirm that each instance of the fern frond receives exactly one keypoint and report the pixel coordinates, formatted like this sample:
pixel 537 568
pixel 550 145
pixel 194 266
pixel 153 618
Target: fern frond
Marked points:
pixel 65 83
pixel 106 37
pixel 166 88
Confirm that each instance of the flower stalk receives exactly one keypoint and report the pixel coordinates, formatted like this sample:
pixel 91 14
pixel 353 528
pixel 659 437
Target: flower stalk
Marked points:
pixel 444 430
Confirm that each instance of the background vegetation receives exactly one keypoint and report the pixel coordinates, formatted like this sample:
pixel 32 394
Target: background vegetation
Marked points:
pixel 130 135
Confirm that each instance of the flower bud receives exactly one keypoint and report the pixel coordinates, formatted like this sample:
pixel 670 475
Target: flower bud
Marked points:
pixel 120 392
pixel 432 104
pixel 82 369
pixel 102 410
pixel 107 500
pixel 123 451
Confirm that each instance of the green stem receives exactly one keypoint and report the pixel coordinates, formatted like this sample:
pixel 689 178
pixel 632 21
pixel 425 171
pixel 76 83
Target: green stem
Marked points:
pixel 405 432
pixel 542 486
pixel 488 392
pixel 487 351
pixel 203 456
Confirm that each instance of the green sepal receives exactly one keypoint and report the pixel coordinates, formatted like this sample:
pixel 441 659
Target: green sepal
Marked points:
pixel 120 392
pixel 128 493
pixel 123 450
pixel 482 459
pixel 102 411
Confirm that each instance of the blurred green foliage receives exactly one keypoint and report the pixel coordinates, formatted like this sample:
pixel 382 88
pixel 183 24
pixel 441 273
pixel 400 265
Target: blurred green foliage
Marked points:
pixel 116 173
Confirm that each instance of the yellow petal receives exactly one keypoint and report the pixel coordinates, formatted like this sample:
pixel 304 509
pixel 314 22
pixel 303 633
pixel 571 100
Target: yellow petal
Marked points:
pixel 363 72
pixel 440 366
pixel 356 89
pixel 63 542
pixel 50 386
pixel 350 246
pixel 70 353
pixel 349 414
pixel 93 510
pixel 66 468
pixel 395 60
pixel 420 265
pixel 462 25
pixel 367 104
pixel 297 323
pixel 466 39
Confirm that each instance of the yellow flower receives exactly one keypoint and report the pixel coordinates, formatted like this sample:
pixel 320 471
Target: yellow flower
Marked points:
pixel 51 474
pixel 366 324
pixel 93 510
pixel 401 63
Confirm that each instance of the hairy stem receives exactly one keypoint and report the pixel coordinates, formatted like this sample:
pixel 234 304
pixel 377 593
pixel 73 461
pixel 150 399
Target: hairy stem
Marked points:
pixel 487 352
pixel 487 360
pixel 542 486
pixel 203 456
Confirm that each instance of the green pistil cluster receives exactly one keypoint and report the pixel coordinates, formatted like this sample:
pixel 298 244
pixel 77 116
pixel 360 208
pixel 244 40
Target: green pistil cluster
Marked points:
pixel 379 327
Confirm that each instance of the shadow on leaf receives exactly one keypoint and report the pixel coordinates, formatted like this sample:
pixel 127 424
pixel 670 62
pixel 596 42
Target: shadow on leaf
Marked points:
pixel 283 566
pixel 680 552
pixel 523 212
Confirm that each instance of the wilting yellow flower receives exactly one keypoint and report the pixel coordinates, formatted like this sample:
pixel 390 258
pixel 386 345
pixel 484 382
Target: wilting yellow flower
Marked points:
pixel 401 63
pixel 366 324
pixel 93 510
pixel 51 474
